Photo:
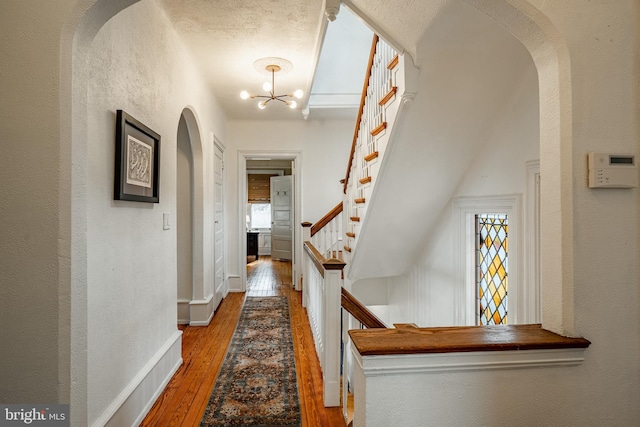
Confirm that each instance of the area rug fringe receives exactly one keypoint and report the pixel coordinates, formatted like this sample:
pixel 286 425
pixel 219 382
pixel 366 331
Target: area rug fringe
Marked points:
pixel 257 383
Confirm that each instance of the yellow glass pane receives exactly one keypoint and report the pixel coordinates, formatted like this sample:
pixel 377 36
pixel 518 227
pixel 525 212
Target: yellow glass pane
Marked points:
pixel 496 299
pixel 496 318
pixel 492 269
pixel 501 272
pixel 502 292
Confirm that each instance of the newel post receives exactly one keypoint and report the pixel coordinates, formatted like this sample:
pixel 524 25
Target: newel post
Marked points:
pixel 332 317
pixel 306 237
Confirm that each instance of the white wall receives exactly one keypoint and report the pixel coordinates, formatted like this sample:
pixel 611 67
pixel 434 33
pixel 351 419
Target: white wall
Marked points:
pixel 498 168
pixel 467 81
pixel 137 64
pixel 595 293
pixel 34 273
pixel 42 272
pixel 325 147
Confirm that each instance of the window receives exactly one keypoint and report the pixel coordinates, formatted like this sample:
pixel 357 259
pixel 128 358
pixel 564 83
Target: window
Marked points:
pixel 260 215
pixel 489 210
pixel 492 231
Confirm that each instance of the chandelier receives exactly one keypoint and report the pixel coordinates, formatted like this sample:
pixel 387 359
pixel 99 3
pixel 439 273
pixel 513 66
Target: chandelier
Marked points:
pixel 271 66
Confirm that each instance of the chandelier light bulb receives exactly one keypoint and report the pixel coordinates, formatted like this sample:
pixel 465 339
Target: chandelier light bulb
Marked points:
pixel 272 66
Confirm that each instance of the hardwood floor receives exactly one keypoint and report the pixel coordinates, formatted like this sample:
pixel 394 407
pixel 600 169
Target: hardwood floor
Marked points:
pixel 203 349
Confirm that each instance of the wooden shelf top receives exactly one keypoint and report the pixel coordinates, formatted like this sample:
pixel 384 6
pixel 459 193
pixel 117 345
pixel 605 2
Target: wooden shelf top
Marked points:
pixel 376 342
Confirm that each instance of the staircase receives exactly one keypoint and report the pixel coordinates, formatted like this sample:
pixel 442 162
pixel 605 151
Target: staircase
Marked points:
pixel 373 233
pixel 388 89
pixel 331 243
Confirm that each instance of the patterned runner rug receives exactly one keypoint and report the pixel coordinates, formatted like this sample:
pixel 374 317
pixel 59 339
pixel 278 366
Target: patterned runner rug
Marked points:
pixel 257 382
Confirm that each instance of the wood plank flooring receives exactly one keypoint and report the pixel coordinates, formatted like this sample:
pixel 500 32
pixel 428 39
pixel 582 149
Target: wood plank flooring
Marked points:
pixel 203 349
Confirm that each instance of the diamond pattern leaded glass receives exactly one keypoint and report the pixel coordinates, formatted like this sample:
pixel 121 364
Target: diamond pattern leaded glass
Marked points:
pixel 492 239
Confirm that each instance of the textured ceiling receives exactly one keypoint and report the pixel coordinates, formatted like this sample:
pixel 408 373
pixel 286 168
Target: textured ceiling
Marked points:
pixel 227 36
pixel 403 21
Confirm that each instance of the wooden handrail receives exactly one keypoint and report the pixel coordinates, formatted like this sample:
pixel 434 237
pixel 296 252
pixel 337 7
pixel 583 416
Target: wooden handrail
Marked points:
pixel 326 219
pixel 360 312
pixel 363 98
pixel 321 262
pixel 457 339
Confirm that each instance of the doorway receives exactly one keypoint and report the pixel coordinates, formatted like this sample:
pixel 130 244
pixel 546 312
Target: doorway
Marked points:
pixel 255 208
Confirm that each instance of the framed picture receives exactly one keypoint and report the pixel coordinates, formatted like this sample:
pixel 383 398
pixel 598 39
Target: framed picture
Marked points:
pixel 137 166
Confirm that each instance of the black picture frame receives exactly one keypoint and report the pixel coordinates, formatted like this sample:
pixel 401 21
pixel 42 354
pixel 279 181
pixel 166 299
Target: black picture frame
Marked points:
pixel 137 161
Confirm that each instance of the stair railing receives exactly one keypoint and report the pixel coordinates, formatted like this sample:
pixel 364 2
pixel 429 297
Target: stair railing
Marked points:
pixel 321 297
pixel 370 135
pixel 325 252
pixel 326 234
pixel 355 315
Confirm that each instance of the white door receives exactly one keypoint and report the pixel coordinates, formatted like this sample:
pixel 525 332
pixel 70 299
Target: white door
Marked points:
pixel 218 227
pixel 282 217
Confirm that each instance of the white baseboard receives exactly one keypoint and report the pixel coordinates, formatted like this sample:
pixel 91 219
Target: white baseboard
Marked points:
pixel 135 401
pixel 235 284
pixel 201 311
pixel 183 312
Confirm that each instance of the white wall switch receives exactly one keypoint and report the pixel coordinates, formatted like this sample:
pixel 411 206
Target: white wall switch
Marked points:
pixel 165 221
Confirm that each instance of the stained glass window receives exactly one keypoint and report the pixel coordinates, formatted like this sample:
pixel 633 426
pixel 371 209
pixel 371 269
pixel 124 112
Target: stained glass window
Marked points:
pixel 492 272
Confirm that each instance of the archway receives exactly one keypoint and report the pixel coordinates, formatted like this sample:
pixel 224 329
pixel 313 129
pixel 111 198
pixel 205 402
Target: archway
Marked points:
pixel 190 176
pixel 523 20
pixel 184 221
pixel 551 57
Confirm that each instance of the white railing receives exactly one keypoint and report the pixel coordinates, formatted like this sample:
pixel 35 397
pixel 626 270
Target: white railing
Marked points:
pixel 378 110
pixel 326 234
pixel 354 316
pixel 321 295
pixel 329 242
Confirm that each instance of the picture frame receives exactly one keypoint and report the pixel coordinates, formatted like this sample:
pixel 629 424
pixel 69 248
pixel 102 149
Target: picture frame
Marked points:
pixel 137 161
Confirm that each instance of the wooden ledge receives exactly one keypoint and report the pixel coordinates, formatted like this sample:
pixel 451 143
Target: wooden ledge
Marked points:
pixel 388 96
pixel 365 180
pixel 404 325
pixel 333 264
pixel 350 234
pixel 393 63
pixel 382 126
pixel 377 342
pixel 359 200
pixel 371 156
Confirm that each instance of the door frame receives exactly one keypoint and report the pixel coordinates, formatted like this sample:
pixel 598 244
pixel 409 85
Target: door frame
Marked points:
pixel 296 157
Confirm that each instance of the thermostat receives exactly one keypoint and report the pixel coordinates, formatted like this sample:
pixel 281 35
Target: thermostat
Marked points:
pixel 612 170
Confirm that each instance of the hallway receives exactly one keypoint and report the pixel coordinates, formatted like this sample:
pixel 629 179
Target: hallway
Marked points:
pixel 184 399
